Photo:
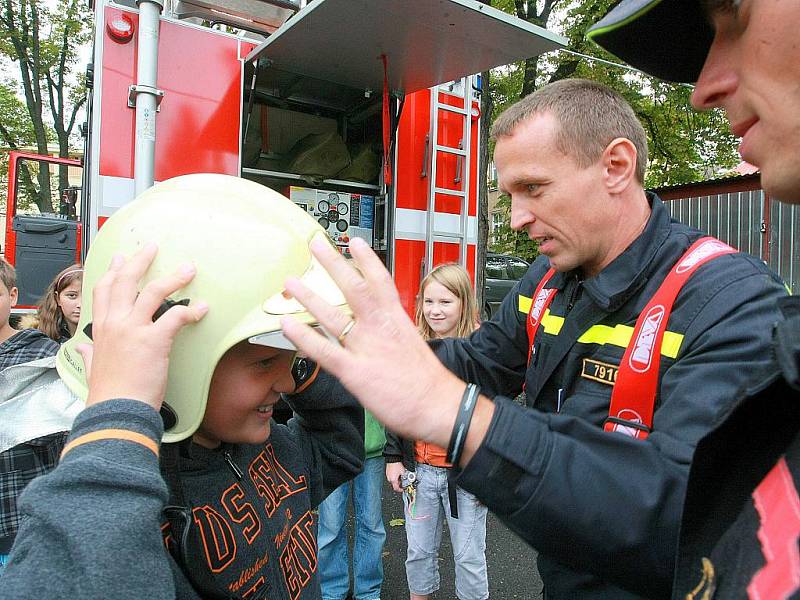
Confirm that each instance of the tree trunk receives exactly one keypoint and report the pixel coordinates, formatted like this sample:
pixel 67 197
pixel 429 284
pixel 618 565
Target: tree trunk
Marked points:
pixel 529 76
pixel 483 189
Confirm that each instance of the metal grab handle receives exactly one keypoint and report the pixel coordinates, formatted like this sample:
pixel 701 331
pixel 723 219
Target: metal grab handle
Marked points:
pixel 39 226
pixel 426 156
pixel 459 162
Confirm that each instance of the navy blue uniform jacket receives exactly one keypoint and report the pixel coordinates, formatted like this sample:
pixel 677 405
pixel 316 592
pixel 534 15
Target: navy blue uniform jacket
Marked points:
pixel 603 509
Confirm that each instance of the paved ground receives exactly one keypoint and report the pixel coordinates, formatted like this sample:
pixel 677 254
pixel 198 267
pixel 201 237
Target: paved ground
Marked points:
pixel 511 562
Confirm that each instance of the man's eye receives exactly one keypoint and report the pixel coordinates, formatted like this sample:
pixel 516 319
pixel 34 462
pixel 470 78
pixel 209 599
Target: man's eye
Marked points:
pixel 531 187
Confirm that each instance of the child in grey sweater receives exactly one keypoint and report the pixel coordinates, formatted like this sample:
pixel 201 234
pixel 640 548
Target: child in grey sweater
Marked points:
pixel 164 350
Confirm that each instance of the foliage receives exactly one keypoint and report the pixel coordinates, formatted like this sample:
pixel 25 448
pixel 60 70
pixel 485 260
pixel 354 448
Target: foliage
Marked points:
pixel 43 42
pixel 507 241
pixel 17 129
pixel 684 145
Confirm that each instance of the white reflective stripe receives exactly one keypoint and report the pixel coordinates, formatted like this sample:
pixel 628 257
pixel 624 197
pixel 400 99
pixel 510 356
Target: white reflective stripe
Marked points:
pixel 115 192
pixel 447 223
pixel 411 224
pixel 472 230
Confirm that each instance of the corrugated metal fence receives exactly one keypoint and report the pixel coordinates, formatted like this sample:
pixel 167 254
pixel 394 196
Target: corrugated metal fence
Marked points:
pixel 739 213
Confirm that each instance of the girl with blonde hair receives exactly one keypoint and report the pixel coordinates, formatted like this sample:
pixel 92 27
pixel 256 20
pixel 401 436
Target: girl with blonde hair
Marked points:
pixel 445 307
pixel 447 286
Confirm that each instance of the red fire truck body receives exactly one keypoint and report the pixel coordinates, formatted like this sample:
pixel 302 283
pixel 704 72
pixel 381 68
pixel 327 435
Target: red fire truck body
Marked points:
pixel 305 90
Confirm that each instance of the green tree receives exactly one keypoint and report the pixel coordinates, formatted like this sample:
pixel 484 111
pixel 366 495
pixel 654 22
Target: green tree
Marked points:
pixel 43 42
pixel 684 145
pixel 16 131
pixel 508 241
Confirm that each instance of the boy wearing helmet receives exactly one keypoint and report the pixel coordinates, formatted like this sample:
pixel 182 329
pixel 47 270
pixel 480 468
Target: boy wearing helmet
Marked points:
pixel 191 353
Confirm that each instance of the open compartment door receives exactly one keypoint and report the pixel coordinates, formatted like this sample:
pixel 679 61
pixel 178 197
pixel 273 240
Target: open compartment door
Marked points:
pixel 426 42
pixel 260 16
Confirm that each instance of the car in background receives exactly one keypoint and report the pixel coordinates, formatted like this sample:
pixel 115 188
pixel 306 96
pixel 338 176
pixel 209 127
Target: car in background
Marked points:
pixel 502 273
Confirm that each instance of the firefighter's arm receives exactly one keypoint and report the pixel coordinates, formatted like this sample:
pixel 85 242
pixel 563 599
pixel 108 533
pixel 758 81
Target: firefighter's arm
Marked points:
pixel 382 359
pixel 601 501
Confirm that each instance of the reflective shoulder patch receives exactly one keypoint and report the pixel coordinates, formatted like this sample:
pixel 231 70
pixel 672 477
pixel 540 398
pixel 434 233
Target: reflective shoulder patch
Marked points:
pixel 620 335
pixel 524 304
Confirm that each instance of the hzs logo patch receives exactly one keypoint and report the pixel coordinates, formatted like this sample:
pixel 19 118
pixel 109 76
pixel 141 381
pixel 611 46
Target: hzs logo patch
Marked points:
pixel 643 349
pixel 538 305
pixel 706 249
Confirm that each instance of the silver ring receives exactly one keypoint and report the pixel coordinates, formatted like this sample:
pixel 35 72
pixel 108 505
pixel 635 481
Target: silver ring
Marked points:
pixel 346 330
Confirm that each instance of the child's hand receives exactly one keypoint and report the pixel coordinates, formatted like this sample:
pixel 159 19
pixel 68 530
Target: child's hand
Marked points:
pixel 393 472
pixel 130 354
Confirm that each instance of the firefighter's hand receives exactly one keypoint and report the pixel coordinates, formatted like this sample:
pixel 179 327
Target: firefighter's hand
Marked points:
pixel 130 352
pixel 393 472
pixel 381 358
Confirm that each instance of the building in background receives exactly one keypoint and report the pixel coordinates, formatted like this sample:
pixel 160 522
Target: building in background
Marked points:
pixel 497 214
pixel 737 211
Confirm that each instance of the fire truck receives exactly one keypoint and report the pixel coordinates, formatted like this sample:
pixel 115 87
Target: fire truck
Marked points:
pixel 366 113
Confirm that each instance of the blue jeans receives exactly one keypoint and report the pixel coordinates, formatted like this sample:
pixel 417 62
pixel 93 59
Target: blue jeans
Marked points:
pixel 424 520
pixel 334 557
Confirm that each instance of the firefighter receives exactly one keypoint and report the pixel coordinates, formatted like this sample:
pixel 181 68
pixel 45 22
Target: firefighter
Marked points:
pixel 741 521
pixel 630 334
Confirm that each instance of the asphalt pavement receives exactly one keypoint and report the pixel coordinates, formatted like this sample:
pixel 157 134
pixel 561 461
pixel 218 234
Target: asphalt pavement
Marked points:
pixel 511 562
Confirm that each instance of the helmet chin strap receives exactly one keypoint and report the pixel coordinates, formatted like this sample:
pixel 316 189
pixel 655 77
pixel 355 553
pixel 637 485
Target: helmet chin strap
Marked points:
pixel 165 306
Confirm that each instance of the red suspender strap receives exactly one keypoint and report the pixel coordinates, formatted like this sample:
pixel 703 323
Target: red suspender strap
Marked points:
pixel 634 395
pixel 539 302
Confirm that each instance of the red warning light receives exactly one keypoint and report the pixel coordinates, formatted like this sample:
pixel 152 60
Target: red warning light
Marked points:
pixel 120 28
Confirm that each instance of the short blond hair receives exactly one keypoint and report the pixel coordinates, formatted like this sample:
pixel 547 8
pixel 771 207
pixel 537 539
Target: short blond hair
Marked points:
pixel 590 116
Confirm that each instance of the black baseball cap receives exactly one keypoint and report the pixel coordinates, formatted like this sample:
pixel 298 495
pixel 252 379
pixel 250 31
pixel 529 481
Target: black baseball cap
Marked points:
pixel 668 39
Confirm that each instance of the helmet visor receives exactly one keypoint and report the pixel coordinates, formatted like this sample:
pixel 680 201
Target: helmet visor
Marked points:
pixel 317 279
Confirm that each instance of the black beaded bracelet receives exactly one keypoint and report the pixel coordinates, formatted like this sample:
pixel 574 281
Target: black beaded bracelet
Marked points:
pixel 461 426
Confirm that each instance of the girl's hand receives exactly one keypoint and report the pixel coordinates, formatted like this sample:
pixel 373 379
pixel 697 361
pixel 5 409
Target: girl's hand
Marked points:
pixel 393 472
pixel 129 356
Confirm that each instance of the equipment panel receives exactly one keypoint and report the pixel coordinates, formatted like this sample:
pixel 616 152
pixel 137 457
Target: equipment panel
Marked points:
pixel 341 214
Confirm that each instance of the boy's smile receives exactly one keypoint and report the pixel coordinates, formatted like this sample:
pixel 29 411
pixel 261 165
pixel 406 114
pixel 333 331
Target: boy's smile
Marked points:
pixel 246 384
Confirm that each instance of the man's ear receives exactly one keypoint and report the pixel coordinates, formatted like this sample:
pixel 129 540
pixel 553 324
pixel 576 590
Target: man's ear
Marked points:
pixel 619 164
pixel 13 294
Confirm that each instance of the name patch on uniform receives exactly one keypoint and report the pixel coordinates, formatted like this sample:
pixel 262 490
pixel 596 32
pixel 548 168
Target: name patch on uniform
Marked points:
pixel 599 371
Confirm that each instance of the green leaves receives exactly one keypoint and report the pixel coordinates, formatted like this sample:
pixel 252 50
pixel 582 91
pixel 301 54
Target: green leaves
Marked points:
pixel 43 39
pixel 684 145
pixel 507 241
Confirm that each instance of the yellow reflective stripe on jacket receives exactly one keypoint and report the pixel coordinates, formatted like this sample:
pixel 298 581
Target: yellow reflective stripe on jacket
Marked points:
pixel 619 335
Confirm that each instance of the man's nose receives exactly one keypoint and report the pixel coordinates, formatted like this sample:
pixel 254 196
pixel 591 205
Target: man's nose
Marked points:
pixel 520 216
pixel 717 80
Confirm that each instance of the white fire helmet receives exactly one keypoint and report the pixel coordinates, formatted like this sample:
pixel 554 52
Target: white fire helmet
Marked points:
pixel 245 240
